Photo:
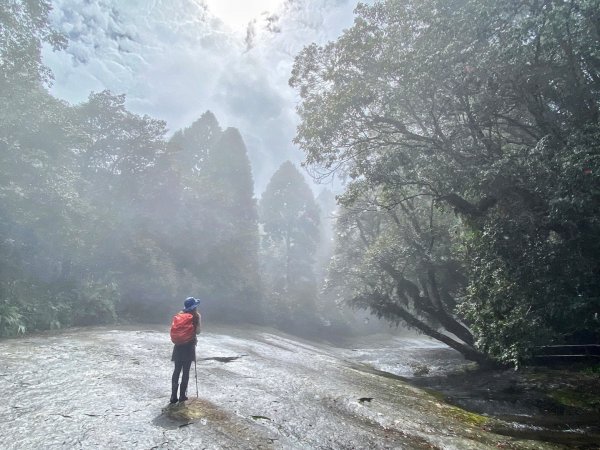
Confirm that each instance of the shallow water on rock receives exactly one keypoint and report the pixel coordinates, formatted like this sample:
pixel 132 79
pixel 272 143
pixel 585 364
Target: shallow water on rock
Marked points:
pixel 257 388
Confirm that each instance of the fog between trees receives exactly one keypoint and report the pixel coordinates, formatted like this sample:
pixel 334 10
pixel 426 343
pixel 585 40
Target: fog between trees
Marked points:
pixel 138 222
pixel 106 218
pixel 467 133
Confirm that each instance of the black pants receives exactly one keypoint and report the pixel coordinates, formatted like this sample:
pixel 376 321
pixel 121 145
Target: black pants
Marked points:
pixel 180 366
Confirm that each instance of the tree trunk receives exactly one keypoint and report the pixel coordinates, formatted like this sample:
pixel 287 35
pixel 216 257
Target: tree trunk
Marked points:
pixel 470 353
pixel 426 305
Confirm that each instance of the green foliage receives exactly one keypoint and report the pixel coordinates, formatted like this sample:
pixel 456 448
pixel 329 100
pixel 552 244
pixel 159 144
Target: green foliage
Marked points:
pixel 290 222
pixel 220 211
pixel 118 146
pixel 396 260
pixel 100 216
pixel 195 142
pixel 491 109
pixel 96 303
pixel 24 28
pixel 34 306
pixel 537 269
pixel 11 321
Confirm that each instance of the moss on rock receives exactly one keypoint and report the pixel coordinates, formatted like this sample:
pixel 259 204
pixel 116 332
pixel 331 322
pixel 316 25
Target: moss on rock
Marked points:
pixel 193 409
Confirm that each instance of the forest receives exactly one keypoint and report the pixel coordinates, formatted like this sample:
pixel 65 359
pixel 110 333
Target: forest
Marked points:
pixel 106 217
pixel 468 131
pixel 467 134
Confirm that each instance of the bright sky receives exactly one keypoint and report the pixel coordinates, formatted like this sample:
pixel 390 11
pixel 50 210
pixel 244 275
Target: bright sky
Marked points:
pixel 237 13
pixel 174 62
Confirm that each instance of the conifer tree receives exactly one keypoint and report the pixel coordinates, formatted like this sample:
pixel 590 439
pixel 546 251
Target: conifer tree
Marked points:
pixel 290 221
pixel 231 264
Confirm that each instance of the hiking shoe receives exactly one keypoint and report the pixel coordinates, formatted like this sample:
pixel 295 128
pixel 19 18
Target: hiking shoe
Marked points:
pixel 182 399
pixel 173 400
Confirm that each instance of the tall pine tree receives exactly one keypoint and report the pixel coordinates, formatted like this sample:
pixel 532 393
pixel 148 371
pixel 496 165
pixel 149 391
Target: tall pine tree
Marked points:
pixel 290 220
pixel 231 264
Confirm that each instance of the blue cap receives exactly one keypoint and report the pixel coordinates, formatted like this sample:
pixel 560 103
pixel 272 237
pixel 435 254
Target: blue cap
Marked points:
pixel 190 304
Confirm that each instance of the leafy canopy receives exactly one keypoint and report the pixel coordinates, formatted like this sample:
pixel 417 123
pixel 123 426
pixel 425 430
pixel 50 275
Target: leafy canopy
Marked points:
pixel 491 109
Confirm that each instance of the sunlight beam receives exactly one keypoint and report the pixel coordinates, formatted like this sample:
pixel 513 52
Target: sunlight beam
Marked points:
pixel 237 13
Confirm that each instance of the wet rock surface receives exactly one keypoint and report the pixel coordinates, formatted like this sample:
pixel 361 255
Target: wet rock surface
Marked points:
pixel 560 406
pixel 257 388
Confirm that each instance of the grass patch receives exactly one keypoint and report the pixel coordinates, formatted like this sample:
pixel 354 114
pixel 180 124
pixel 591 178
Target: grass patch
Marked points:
pixel 576 399
pixel 194 409
pixel 466 417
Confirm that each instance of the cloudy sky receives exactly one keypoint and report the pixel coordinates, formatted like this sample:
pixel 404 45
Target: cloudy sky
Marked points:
pixel 176 59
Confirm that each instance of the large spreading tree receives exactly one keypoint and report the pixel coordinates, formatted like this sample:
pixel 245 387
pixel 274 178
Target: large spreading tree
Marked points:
pixel 487 109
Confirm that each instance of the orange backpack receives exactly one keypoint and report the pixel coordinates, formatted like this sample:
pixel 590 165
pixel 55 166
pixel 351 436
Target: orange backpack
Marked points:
pixel 182 328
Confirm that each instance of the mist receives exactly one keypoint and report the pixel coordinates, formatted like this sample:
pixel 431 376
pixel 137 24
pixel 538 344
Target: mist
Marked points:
pixel 175 60
pixel 151 172
pixel 381 216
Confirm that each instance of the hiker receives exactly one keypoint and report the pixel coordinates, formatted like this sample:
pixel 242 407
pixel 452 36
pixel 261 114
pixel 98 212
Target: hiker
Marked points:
pixel 185 326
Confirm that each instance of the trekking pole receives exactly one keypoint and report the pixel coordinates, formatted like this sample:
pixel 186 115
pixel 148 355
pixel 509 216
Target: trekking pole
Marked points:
pixel 196 373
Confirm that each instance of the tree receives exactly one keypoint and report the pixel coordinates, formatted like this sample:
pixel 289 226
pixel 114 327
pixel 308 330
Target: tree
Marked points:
pixel 489 108
pixel 195 142
pixel 231 263
pixel 396 260
pixel 181 192
pixel 99 214
pixel 118 152
pixel 290 223
pixel 208 218
pixel 37 192
pixel 24 28
pixel 117 144
pixel 41 212
pixel 337 317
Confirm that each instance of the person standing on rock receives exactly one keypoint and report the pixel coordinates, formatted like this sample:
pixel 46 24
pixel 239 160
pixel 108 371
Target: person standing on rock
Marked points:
pixel 184 328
